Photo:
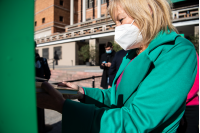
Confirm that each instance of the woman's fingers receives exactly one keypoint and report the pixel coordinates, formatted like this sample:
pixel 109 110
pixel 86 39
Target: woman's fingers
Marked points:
pixel 71 85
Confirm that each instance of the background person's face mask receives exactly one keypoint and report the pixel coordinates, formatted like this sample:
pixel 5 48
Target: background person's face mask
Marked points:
pixel 127 35
pixel 108 51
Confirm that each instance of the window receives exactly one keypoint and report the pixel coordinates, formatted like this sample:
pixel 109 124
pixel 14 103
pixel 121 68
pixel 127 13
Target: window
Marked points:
pixel 45 53
pixel 57 52
pixel 89 4
pixel 43 20
pixel 35 23
pixel 88 19
pixel 102 15
pixel 61 2
pixel 61 19
pixel 102 2
pixel 37 51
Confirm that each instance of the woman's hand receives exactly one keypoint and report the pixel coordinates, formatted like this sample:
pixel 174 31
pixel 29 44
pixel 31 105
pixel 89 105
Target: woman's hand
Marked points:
pixel 50 99
pixel 80 94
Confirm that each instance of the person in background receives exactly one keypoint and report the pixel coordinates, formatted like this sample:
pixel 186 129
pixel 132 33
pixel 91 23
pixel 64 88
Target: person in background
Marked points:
pixel 56 58
pixel 42 71
pixel 117 60
pixel 150 89
pixel 105 61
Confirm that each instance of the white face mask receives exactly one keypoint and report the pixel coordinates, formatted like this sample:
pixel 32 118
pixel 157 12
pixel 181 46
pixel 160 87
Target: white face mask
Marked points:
pixel 128 36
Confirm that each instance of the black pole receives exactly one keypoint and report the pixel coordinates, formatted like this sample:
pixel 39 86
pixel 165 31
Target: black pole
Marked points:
pixel 53 64
pixel 93 9
pixel 107 2
pixel 93 82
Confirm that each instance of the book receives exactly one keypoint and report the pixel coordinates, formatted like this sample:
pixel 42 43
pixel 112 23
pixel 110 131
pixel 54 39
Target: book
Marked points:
pixel 61 89
pixel 38 78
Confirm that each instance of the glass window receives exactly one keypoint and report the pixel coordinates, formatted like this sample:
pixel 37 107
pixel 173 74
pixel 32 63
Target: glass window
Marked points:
pixel 57 52
pixel 61 19
pixel 43 20
pixel 102 2
pixel 89 4
pixel 61 2
pixel 45 53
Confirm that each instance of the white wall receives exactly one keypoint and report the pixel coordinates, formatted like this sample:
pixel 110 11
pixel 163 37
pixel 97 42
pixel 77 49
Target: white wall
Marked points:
pixel 69 54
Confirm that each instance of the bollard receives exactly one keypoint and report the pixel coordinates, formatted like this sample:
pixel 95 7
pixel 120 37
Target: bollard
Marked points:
pixel 93 81
pixel 53 64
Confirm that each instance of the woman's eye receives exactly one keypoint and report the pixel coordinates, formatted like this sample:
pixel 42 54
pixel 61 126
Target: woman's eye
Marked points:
pixel 120 20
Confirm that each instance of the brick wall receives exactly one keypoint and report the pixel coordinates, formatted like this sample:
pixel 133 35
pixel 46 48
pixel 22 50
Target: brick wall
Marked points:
pixel 42 4
pixel 89 12
pixel 51 10
pixel 61 75
pixel 61 12
pixel 48 15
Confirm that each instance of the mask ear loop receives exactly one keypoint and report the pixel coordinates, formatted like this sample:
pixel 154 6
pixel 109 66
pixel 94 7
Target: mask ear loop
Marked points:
pixel 132 22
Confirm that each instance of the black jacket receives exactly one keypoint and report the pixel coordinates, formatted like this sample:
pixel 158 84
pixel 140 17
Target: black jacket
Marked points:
pixel 108 58
pixel 42 68
pixel 116 62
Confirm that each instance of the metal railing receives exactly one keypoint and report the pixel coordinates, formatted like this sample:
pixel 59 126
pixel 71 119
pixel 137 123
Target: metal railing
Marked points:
pixel 52 63
pixel 93 81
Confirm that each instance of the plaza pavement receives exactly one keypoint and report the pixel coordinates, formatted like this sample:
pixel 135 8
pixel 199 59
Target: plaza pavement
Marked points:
pixel 54 118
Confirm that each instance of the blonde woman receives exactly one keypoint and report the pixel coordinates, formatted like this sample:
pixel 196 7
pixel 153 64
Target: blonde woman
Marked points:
pixel 149 91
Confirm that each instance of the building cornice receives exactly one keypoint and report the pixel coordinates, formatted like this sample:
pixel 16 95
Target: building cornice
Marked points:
pixel 78 39
pixel 51 26
pixel 61 8
pixel 44 9
pixel 52 6
pixel 42 30
pixel 43 25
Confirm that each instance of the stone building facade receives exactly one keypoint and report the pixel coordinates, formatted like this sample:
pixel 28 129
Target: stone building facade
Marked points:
pixel 86 22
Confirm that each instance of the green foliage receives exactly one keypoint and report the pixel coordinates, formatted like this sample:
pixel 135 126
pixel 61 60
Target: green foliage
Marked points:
pixel 195 40
pixel 116 46
pixel 84 53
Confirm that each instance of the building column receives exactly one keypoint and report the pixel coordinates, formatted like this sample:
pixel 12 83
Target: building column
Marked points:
pixel 98 8
pixel 94 51
pixel 196 30
pixel 76 54
pixel 71 12
pixel 84 11
pixel 196 35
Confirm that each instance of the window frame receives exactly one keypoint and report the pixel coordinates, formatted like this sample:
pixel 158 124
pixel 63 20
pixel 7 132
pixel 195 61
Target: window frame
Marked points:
pixel 45 55
pixel 62 1
pixel 43 20
pixel 59 53
pixel 60 18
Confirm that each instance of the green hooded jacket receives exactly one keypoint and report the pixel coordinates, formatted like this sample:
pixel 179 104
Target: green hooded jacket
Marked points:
pixel 150 97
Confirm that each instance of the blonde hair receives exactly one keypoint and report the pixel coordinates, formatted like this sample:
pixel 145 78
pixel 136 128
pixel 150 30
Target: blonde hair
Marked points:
pixel 151 16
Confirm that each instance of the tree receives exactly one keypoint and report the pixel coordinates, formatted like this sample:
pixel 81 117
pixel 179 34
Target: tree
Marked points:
pixel 86 52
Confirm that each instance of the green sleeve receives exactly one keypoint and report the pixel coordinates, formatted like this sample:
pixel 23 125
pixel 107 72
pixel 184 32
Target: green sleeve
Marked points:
pixel 99 97
pixel 157 106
